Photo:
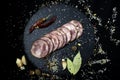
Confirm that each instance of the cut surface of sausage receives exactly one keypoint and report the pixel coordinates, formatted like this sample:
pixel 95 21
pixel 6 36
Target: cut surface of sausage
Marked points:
pixel 72 29
pixel 60 38
pixel 78 26
pixel 64 36
pixel 54 40
pixel 50 44
pixel 39 49
pixel 67 32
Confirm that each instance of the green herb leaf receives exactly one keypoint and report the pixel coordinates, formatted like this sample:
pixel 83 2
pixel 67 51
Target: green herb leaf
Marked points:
pixel 77 61
pixel 70 66
pixel 73 67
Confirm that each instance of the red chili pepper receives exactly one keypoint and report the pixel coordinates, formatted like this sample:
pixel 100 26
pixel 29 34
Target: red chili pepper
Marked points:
pixel 38 24
pixel 52 20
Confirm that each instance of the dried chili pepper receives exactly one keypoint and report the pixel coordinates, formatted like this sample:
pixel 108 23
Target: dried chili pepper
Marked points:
pixel 38 23
pixel 41 23
pixel 52 20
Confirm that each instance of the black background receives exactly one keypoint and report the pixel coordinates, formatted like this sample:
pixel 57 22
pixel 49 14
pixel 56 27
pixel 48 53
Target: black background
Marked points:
pixel 14 15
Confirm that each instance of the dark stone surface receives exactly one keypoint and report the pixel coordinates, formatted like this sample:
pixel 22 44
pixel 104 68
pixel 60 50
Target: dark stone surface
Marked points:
pixel 64 14
pixel 14 16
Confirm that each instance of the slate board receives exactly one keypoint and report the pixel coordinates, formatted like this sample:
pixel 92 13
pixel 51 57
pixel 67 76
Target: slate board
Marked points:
pixel 64 14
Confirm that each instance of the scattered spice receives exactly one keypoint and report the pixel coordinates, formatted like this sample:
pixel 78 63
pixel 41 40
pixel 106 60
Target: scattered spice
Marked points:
pixel 37 72
pixel 79 44
pixel 45 74
pixel 53 64
pixel 74 48
pixel 31 72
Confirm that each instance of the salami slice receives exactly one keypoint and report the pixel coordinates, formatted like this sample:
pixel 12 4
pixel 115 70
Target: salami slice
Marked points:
pixel 54 40
pixel 72 29
pixel 50 44
pixel 59 36
pixel 39 49
pixel 64 36
pixel 78 26
pixel 67 32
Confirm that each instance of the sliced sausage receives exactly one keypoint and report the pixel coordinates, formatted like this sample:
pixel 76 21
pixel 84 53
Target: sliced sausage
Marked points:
pixel 78 26
pixel 67 32
pixel 72 29
pixel 59 37
pixel 39 49
pixel 64 36
pixel 56 39
pixel 50 44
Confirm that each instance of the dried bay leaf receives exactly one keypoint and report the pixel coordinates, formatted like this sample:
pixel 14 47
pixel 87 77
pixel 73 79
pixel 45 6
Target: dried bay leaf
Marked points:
pixel 77 61
pixel 70 66
pixel 73 67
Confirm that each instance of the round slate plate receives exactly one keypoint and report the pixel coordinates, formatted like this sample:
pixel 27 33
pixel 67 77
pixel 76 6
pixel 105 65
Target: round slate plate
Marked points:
pixel 64 13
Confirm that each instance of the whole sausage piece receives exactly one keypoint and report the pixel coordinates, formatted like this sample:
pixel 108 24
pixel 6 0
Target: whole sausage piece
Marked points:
pixel 57 39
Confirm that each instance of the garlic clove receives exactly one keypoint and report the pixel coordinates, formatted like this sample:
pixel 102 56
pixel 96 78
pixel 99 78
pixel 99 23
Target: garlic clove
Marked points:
pixel 19 62
pixel 24 60
pixel 64 64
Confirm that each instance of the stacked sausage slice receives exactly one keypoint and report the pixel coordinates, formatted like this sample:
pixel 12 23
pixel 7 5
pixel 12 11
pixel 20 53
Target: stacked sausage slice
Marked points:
pixel 56 39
